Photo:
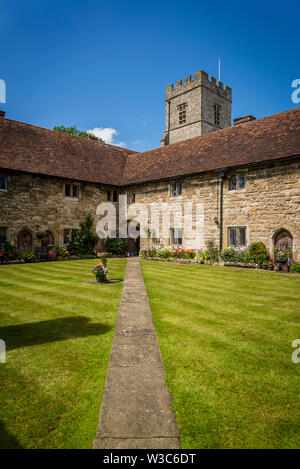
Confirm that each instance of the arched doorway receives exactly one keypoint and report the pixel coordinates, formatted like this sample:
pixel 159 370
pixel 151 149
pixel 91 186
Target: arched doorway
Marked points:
pixel 133 243
pixel 284 240
pixel 47 243
pixel 25 241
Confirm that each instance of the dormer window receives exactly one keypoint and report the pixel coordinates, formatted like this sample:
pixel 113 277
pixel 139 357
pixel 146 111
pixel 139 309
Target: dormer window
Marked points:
pixel 3 182
pixel 176 189
pixel 112 196
pixel 182 113
pixel 217 109
pixel 238 181
pixel 132 198
pixel 72 190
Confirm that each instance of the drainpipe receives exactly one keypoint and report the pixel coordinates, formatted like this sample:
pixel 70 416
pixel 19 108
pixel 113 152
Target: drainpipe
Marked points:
pixel 222 177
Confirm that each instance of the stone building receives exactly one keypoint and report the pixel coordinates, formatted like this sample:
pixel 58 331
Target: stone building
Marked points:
pixel 245 178
pixel 197 106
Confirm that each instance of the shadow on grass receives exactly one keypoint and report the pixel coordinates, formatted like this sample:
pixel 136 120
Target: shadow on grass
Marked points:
pixel 7 441
pixel 35 333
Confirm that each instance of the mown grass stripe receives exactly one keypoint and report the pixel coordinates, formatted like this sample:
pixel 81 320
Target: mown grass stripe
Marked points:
pixel 227 353
pixel 59 338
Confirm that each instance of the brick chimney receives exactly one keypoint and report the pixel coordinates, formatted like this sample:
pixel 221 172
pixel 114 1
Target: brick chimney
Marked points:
pixel 243 120
pixel 2 114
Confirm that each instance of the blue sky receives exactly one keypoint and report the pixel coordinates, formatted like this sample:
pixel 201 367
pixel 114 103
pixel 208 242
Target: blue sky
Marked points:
pixel 105 64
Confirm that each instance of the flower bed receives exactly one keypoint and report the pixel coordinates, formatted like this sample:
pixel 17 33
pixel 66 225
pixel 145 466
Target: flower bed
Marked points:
pixel 206 256
pixel 255 257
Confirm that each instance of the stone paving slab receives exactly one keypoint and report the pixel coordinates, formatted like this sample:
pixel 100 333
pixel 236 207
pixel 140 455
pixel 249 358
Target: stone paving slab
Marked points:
pixel 134 355
pixel 136 406
pixel 136 443
pixel 139 322
pixel 133 335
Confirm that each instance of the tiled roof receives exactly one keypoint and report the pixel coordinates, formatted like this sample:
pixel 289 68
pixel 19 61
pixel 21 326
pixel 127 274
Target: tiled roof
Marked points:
pixel 269 138
pixel 33 149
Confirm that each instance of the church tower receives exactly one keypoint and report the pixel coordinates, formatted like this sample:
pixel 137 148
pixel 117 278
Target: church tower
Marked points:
pixel 197 106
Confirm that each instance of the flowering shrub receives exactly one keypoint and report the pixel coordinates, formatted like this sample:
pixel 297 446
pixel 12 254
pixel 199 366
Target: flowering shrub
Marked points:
pixel 234 255
pixel 100 271
pixel 281 255
pixel 212 251
pixel 52 255
pixel 258 253
pixel 177 253
pixel 165 253
pixel 151 253
pixel 295 268
pixel 202 257
pixel 63 252
pixel 229 255
pixel 189 254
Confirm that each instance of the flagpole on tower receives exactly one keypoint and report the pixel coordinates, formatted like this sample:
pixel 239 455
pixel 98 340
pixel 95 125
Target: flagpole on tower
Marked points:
pixel 219 69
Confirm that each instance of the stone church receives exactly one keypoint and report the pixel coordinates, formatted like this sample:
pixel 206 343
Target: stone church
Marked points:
pixel 246 175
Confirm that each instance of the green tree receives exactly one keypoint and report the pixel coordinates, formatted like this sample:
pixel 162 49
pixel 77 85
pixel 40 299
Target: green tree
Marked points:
pixel 84 240
pixel 77 133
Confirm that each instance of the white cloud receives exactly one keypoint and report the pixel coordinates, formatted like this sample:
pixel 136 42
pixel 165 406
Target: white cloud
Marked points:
pixel 107 134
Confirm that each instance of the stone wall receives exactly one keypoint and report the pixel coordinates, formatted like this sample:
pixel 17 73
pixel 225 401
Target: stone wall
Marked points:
pixel 269 202
pixel 38 204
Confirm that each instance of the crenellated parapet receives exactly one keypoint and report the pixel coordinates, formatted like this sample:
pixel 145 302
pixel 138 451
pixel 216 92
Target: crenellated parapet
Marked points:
pixel 199 78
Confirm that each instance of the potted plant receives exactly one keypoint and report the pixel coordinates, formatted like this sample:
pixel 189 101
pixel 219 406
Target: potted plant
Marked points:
pixel 40 235
pixel 271 265
pixel 281 257
pixel 100 272
pixel 28 256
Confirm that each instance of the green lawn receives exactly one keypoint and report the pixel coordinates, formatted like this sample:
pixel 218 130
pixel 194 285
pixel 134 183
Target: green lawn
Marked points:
pixel 225 336
pixel 58 331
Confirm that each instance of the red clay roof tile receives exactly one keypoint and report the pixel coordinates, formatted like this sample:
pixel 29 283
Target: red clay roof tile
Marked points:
pixel 33 149
pixel 269 138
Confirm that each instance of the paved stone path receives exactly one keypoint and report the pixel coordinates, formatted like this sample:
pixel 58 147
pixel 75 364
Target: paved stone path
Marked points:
pixel 136 405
